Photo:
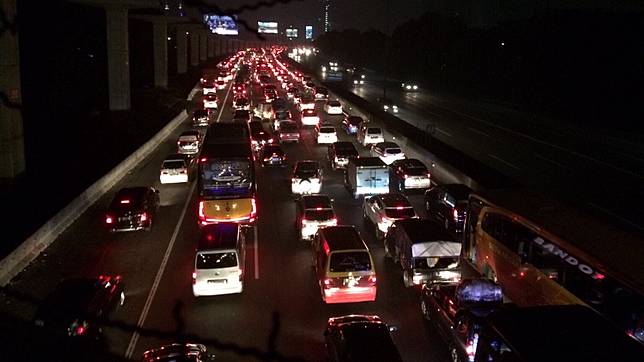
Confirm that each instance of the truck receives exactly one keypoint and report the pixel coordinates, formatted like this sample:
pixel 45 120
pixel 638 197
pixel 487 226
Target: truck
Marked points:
pixel 367 176
pixel 425 252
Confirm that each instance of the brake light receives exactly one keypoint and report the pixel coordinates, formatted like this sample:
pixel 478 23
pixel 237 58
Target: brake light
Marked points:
pixel 203 159
pixel 80 330
pixel 327 283
pixel 304 221
pixel 400 207
pixel 144 217
pixel 372 279
pixel 241 275
pixel 109 220
pixel 334 221
pixel 194 278
pixel 455 213
pixel 125 201
pixel 201 214
pixel 406 176
pixel 253 212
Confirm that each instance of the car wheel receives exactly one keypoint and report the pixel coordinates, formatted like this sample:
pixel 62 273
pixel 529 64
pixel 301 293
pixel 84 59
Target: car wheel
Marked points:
pixel 424 309
pixel 446 224
pixel 379 234
pixel 427 206
pixel 387 254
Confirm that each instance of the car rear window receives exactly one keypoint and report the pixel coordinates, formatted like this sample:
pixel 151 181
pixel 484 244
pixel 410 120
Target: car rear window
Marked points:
pixel 372 130
pixel 334 104
pixel 327 130
pixel 289 128
pixel 416 171
pixel 397 213
pixel 445 262
pixel 216 260
pixel 318 215
pixel 173 164
pixel 393 151
pixel 350 261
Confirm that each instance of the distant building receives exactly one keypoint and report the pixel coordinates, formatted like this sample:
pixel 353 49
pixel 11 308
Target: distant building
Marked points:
pixel 326 18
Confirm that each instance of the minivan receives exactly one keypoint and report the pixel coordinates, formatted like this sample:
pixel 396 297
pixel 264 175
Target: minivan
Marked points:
pixel 219 260
pixel 343 265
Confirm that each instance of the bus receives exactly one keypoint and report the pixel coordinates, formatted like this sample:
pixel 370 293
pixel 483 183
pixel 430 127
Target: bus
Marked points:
pixel 226 176
pixel 546 253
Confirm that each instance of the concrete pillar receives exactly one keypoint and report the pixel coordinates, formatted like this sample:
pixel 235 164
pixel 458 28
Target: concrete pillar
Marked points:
pixel 118 58
pixel 218 47
pixel 211 46
pixel 203 45
pixel 160 49
pixel 12 142
pixel 194 48
pixel 182 50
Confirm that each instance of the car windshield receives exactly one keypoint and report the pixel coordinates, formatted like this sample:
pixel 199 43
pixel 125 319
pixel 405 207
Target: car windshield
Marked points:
pixel 399 213
pixel 219 177
pixel 347 261
pixel 173 164
pixel 216 260
pixel 444 262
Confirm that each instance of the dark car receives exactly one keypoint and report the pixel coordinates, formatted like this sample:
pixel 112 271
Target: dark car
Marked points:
pixel 288 132
pixel 260 138
pixel 241 116
pixel 339 154
pixel 178 352
pixel 132 208
pixel 409 173
pixel 351 124
pixel 76 306
pixel 201 117
pixel 359 338
pixel 272 155
pixel 447 204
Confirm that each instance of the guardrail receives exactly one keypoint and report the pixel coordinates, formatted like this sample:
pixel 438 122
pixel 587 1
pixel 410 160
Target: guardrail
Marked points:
pixel 24 254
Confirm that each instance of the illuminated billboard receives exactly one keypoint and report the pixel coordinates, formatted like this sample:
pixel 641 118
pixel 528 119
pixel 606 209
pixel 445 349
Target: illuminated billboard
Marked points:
pixel 221 24
pixel 291 33
pixel 267 27
pixel 308 32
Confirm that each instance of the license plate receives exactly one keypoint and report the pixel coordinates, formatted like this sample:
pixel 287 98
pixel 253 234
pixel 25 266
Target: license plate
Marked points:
pixel 122 219
pixel 217 281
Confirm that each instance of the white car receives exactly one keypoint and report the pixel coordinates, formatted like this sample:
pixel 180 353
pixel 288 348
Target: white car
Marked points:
pixel 209 87
pixel 307 177
pixel 306 103
pixel 326 134
pixel 220 84
pixel 333 107
pixel 314 212
pixel 310 118
pixel 174 169
pixel 388 152
pixel 382 210
pixel 189 143
pixel 370 135
pixel 210 101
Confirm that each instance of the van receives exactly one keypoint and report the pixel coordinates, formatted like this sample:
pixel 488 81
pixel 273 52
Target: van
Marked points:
pixel 367 176
pixel 424 251
pixel 219 260
pixel 343 265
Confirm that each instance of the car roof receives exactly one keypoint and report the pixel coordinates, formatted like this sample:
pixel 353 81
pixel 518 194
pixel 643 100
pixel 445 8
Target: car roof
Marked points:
pixel 394 199
pixel 313 201
pixel 423 230
pixel 307 164
pixel 218 236
pixel 408 163
pixel 459 191
pixel 175 157
pixel 342 237
pixel 367 161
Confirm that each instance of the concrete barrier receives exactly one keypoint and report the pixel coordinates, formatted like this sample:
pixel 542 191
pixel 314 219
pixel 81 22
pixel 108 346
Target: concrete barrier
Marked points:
pixel 24 254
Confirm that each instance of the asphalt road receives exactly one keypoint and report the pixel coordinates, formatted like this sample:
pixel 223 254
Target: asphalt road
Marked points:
pixel 280 287
pixel 599 170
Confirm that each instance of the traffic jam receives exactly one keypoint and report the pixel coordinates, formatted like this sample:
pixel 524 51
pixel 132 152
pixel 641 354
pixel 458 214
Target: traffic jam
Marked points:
pixel 422 227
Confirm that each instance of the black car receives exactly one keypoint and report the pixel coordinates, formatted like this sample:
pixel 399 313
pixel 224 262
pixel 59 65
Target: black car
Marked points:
pixel 177 352
pixel 260 138
pixel 447 204
pixel 272 155
pixel 351 124
pixel 75 307
pixel 132 208
pixel 201 117
pixel 409 173
pixel 241 116
pixel 339 154
pixel 359 338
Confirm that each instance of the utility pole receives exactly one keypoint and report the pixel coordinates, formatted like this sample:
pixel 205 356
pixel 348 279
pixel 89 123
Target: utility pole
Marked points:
pixel 386 65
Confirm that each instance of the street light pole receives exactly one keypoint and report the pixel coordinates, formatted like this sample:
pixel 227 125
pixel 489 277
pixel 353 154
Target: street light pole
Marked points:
pixel 384 83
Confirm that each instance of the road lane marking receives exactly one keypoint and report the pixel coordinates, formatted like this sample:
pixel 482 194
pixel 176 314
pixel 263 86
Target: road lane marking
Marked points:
pixel 550 160
pixel 605 210
pixel 478 131
pixel 157 279
pixel 223 104
pixel 256 241
pixel 444 132
pixel 580 155
pixel 503 161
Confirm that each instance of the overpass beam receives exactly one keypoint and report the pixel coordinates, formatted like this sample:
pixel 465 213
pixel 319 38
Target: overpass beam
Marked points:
pixel 118 58
pixel 160 49
pixel 182 50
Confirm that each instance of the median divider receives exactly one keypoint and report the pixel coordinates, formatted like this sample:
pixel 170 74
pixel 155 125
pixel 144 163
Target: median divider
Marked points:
pixel 29 250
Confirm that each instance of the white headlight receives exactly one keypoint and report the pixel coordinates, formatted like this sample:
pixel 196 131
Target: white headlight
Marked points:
pixel 386 107
pixel 415 87
pixel 362 76
pixel 355 82
pixel 408 87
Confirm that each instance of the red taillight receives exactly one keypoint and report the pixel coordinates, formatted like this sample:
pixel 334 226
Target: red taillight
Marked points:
pixel 455 214
pixel 372 279
pixel 144 217
pixel 201 214
pixel 400 207
pixel 334 221
pixel 109 220
pixel 253 212
pixel 80 330
pixel 327 282
pixel 406 176
pixel 304 221
pixel 194 278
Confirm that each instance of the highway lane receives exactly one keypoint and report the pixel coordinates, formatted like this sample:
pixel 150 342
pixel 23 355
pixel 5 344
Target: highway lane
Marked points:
pixel 284 283
pixel 600 170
